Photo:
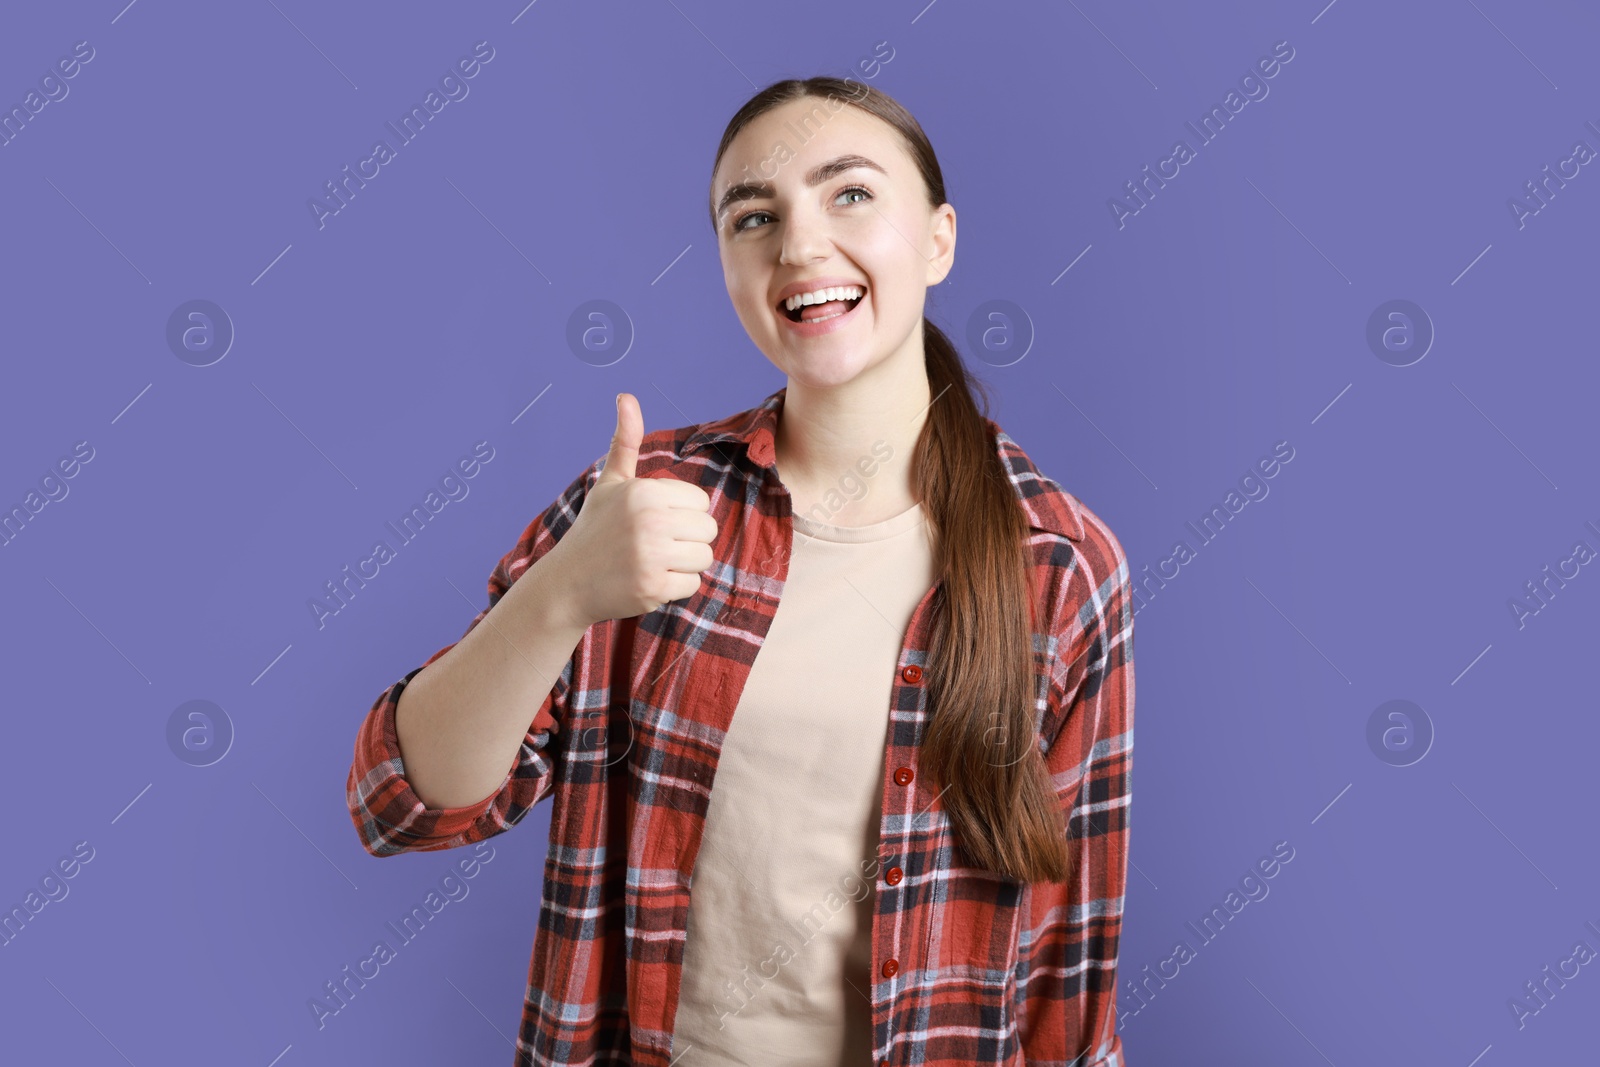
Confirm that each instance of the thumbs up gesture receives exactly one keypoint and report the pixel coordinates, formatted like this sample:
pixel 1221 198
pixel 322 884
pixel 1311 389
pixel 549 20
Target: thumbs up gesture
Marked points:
pixel 637 542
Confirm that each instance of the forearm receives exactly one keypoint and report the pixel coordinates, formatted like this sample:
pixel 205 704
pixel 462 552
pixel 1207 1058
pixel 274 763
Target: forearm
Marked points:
pixel 462 719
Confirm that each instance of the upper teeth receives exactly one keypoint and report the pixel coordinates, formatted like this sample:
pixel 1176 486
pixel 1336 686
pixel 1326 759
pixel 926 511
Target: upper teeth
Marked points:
pixel 822 296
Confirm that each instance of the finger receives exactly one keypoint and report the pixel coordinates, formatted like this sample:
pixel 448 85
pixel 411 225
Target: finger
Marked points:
pixel 690 557
pixel 687 563
pixel 623 458
pixel 686 524
pixel 674 493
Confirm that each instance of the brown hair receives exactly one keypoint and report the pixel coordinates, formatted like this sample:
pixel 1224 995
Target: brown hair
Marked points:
pixel 980 745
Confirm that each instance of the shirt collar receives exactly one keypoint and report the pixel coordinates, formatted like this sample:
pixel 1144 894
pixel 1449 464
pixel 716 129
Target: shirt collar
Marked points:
pixel 1046 505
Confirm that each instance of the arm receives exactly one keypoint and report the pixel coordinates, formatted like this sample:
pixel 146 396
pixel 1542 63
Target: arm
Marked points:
pixel 1090 762
pixel 463 716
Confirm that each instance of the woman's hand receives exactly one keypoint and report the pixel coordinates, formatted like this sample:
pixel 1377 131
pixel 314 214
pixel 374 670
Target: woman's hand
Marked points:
pixel 637 542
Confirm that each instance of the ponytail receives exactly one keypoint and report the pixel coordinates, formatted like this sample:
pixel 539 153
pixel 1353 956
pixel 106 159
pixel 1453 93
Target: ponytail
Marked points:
pixel 980 743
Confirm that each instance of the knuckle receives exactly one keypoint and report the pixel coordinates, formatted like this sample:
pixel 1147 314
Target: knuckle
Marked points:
pixel 653 524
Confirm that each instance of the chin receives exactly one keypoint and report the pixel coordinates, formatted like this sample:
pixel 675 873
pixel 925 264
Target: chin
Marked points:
pixel 826 372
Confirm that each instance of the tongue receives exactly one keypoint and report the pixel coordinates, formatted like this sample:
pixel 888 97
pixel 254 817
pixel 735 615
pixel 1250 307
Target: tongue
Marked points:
pixel 820 311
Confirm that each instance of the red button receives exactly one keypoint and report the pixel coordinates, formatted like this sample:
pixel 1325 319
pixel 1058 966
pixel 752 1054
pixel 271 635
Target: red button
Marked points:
pixel 911 673
pixel 893 875
pixel 891 968
pixel 903 776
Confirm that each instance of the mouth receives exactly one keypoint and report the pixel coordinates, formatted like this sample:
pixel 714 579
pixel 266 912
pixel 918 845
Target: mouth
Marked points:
pixel 826 312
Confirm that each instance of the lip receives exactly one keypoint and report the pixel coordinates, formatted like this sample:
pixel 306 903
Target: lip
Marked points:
pixel 816 329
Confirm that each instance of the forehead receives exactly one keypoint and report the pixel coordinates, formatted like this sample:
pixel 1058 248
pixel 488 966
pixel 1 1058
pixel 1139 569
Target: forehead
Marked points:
pixel 780 145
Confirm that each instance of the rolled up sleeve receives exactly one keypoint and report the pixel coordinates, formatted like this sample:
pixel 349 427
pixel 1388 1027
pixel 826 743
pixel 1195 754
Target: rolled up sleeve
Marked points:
pixel 1090 761
pixel 389 816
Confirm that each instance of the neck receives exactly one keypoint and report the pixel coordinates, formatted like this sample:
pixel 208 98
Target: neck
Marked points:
pixel 844 451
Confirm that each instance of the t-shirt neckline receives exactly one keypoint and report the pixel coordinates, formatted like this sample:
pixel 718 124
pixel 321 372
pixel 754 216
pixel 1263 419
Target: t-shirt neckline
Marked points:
pixel 894 525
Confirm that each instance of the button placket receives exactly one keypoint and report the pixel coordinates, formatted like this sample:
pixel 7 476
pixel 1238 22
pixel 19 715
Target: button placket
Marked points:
pixel 911 674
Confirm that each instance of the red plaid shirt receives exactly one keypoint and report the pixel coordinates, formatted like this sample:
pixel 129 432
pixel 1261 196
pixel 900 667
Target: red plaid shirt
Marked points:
pixel 969 968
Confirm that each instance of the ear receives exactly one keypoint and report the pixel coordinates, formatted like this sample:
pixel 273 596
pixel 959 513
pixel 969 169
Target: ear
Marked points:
pixel 942 233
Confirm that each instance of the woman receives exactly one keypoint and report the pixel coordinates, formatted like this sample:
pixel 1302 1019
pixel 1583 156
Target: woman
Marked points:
pixel 906 821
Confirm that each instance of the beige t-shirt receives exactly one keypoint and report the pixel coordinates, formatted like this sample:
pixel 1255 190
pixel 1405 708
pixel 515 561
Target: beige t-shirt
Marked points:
pixel 778 955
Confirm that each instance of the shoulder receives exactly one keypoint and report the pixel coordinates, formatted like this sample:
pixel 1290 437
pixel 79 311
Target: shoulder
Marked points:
pixel 1052 508
pixel 1082 577
pixel 665 452
pixel 1099 551
pixel 711 448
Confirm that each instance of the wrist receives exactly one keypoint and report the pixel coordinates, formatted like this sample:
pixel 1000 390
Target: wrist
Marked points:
pixel 563 608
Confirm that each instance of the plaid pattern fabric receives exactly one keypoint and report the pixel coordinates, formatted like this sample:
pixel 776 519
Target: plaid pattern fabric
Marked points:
pixel 969 968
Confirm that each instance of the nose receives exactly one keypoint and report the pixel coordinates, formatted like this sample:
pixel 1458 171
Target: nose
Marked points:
pixel 804 239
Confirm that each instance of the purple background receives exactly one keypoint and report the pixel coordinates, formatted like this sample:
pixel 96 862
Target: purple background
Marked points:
pixel 1229 314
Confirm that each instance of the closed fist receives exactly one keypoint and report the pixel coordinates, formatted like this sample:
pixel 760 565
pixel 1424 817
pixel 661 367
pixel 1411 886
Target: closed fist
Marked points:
pixel 637 543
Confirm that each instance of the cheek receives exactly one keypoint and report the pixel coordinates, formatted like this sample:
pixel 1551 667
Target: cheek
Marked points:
pixel 752 302
pixel 899 292
pixel 891 257
pixel 742 293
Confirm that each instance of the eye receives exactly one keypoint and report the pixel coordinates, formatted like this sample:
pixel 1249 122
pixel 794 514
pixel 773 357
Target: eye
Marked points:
pixel 739 223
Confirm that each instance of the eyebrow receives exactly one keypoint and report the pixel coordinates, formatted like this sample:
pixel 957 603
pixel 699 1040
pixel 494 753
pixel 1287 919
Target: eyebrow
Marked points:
pixel 816 176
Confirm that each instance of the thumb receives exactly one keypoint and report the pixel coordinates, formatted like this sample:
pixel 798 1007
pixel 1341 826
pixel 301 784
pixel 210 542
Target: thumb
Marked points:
pixel 624 454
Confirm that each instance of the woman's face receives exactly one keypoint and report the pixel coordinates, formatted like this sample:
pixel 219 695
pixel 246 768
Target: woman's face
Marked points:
pixel 865 223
